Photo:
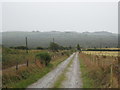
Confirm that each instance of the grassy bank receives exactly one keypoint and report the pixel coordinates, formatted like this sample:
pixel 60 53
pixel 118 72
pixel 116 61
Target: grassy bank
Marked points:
pixel 11 57
pixel 26 76
pixel 87 82
pixel 97 71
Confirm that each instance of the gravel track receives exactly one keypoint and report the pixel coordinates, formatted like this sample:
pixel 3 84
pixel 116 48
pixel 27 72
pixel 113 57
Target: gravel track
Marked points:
pixel 72 75
pixel 48 80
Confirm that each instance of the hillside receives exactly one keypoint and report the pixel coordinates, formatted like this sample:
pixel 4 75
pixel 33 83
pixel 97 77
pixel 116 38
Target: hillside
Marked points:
pixel 85 39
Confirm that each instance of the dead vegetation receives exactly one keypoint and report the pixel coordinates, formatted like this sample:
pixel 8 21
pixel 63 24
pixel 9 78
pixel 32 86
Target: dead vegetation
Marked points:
pixel 103 70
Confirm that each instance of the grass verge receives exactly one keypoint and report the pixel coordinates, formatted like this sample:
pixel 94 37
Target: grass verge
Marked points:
pixel 87 82
pixel 97 71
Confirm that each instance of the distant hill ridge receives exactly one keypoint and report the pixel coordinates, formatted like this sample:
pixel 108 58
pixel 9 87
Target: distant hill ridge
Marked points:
pixel 68 38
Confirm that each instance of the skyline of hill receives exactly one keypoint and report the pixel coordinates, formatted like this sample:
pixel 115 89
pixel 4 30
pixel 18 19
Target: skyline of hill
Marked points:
pixel 43 39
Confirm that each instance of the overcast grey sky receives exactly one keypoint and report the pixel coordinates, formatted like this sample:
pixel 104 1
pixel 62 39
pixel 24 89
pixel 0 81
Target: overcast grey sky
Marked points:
pixel 60 16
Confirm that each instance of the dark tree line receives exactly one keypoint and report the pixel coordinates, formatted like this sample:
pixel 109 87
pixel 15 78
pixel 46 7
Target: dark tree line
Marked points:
pixel 20 47
pixel 55 47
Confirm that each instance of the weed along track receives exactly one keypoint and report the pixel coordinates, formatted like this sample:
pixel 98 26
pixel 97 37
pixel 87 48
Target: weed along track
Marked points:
pixel 48 80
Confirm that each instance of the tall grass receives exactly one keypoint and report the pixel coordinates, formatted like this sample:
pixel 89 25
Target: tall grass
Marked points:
pixel 12 56
pixel 25 76
pixel 98 71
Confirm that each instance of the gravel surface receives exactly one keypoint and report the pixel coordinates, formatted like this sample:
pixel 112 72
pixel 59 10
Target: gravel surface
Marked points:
pixel 73 79
pixel 48 80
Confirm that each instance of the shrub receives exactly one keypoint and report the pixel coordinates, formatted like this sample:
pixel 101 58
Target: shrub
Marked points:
pixel 54 46
pixel 21 47
pixel 44 58
pixel 40 48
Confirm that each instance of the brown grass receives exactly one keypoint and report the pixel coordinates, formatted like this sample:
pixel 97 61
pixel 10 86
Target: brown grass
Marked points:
pixel 99 70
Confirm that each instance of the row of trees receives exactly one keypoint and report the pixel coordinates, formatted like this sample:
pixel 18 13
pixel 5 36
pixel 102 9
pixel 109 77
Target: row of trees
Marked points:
pixel 53 46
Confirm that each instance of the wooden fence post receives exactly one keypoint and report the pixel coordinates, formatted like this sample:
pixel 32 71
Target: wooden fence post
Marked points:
pixel 17 65
pixel 118 59
pixel 111 75
pixel 35 59
pixel 27 63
